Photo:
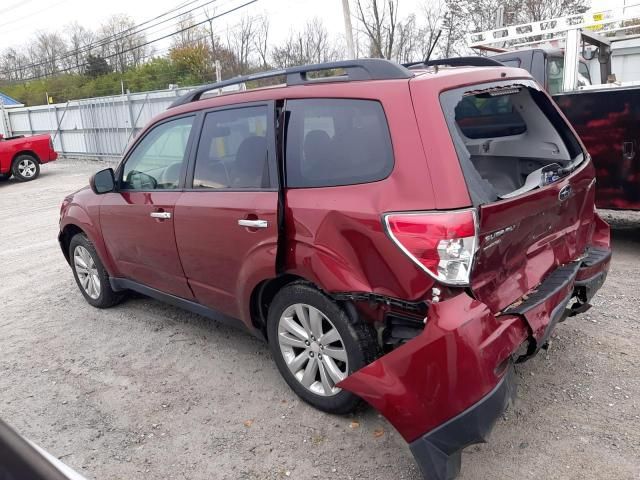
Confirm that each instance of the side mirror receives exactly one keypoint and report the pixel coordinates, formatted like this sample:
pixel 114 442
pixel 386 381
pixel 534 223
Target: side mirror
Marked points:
pixel 103 181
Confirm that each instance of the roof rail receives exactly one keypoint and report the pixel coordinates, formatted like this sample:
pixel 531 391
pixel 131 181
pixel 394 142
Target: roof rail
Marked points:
pixel 474 61
pixel 360 69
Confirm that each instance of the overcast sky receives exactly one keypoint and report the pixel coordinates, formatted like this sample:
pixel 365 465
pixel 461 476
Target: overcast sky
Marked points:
pixel 21 19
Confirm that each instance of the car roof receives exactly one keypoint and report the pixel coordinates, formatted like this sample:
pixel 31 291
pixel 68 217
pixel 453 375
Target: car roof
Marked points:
pixel 441 78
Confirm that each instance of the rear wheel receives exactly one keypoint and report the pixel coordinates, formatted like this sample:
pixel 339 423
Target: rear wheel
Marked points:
pixel 316 345
pixel 91 277
pixel 25 168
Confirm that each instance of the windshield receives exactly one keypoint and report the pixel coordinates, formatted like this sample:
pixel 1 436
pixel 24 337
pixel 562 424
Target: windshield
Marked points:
pixel 555 73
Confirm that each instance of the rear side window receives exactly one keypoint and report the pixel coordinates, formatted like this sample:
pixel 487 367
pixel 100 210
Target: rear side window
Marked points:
pixel 332 142
pixel 232 151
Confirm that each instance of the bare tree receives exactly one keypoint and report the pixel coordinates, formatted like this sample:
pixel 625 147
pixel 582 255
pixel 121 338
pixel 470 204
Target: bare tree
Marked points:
pixel 524 11
pixel 80 41
pixel 49 47
pixel 261 40
pixel 187 33
pixel 13 65
pixel 378 19
pixel 240 42
pixel 311 45
pixel 408 40
pixel 122 45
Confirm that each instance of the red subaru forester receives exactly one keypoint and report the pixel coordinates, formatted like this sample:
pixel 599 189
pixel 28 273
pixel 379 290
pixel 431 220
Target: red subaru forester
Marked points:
pixel 398 234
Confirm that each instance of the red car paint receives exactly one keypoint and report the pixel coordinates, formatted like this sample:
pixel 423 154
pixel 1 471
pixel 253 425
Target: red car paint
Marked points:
pixel 453 364
pixel 335 238
pixel 38 146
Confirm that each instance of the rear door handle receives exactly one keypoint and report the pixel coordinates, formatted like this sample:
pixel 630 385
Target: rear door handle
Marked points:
pixel 164 215
pixel 253 223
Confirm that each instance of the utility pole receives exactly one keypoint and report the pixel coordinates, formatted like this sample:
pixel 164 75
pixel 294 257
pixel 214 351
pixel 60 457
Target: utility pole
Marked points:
pixel 348 31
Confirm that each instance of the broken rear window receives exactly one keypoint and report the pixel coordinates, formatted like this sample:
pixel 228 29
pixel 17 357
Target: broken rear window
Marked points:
pixel 480 116
pixel 509 138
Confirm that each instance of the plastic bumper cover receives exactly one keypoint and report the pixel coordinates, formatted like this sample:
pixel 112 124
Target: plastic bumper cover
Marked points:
pixel 438 453
pixel 444 389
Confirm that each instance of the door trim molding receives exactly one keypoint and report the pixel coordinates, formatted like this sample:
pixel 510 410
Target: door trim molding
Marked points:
pixel 121 284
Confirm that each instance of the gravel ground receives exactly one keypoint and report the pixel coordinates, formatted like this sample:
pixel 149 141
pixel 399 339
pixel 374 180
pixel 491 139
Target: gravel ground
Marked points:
pixel 146 390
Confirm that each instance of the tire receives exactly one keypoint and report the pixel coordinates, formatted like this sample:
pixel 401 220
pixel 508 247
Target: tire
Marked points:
pixel 357 339
pixel 25 168
pixel 94 285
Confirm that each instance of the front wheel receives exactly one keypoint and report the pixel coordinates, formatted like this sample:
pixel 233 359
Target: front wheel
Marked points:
pixel 316 344
pixel 25 168
pixel 90 275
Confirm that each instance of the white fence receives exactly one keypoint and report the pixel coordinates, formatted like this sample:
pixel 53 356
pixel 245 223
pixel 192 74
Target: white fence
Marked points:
pixel 95 127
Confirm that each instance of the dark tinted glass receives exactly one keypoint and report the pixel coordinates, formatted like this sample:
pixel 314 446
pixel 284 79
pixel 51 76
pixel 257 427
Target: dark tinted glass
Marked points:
pixel 483 116
pixel 103 181
pixel 333 142
pixel 232 152
pixel 511 63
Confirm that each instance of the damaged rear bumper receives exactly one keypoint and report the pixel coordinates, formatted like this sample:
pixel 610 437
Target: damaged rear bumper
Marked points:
pixel 444 389
pixel 439 452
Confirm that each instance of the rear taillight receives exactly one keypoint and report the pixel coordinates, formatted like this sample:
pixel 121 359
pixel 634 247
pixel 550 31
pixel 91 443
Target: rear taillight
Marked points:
pixel 50 143
pixel 443 244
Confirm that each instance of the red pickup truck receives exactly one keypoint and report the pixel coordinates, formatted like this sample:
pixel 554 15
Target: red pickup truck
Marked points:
pixel 22 156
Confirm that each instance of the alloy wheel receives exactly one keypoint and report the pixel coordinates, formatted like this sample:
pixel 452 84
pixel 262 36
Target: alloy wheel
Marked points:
pixel 27 168
pixel 87 272
pixel 312 349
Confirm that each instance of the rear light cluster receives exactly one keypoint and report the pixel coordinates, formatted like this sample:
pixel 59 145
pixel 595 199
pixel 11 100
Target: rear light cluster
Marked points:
pixel 443 244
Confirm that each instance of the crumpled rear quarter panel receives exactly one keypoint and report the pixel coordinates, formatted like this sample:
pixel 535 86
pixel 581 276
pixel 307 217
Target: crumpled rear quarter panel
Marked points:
pixel 443 371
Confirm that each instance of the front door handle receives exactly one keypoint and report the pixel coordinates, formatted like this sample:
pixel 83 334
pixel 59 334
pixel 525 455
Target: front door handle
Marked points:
pixel 253 223
pixel 163 215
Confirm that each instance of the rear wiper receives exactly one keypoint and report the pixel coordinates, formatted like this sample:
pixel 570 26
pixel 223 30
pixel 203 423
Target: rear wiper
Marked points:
pixel 572 166
pixel 538 178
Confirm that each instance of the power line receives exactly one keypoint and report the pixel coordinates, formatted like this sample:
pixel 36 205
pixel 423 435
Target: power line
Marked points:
pixel 48 7
pixel 118 36
pixel 36 77
pixel 14 6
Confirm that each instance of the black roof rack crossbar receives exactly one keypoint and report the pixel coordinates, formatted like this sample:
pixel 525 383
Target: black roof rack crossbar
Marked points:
pixel 361 69
pixel 458 62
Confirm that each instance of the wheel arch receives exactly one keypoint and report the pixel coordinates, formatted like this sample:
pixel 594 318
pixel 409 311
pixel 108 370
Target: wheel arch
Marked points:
pixel 264 293
pixel 78 221
pixel 30 153
pixel 65 236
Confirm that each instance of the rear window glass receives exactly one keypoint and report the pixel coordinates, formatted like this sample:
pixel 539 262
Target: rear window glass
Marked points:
pixel 509 137
pixel 482 116
pixel 511 63
pixel 331 142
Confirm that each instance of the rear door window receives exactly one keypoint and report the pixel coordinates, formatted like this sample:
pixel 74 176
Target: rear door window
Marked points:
pixel 332 142
pixel 232 151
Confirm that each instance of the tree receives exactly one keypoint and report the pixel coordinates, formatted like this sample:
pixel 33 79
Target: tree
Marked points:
pixel 240 43
pixel 49 48
pixel 121 44
pixel 378 19
pixel 311 45
pixel 261 40
pixel 187 33
pixel 96 66
pixel 193 60
pixel 80 41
